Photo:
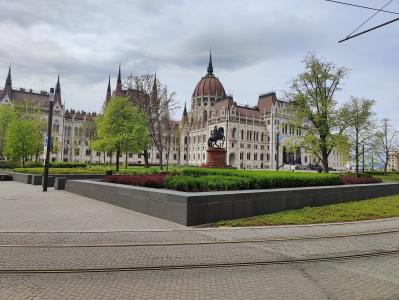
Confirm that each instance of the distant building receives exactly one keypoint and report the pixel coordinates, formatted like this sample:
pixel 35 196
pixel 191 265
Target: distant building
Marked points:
pixel 393 161
pixel 255 136
pixel 70 130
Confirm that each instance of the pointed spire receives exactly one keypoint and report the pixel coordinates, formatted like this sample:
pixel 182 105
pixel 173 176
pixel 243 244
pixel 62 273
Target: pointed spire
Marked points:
pixel 210 67
pixel 9 80
pixel 57 94
pixel 154 93
pixel 118 90
pixel 119 74
pixel 108 96
pixel 58 86
pixel 7 91
pixel 185 110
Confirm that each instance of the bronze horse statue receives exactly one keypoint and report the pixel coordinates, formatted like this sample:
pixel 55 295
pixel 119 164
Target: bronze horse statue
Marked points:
pixel 217 135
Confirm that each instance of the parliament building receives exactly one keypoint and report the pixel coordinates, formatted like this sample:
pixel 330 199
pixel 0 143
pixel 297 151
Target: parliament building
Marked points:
pixel 254 135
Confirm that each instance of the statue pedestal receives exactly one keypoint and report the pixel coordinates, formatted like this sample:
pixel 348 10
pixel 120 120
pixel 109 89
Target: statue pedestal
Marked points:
pixel 216 158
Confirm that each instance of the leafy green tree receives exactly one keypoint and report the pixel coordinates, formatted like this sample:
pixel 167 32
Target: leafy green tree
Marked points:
pixel 315 108
pixel 7 114
pixel 23 139
pixel 122 128
pixel 360 129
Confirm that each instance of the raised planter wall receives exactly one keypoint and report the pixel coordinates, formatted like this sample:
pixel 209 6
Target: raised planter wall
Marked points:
pixel 200 208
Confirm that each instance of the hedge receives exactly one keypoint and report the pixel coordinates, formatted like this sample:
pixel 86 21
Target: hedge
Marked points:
pixel 149 180
pixel 207 183
pixel 270 179
pixel 58 171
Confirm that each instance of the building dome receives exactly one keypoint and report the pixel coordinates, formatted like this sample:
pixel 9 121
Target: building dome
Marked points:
pixel 209 85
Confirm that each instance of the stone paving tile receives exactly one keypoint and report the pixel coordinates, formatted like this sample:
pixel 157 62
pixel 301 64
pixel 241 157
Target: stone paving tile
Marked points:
pixel 120 257
pixel 336 280
pixel 101 238
pixel 268 232
pixel 26 208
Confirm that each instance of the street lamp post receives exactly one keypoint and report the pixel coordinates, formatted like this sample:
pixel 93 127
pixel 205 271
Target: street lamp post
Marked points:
pixel 48 142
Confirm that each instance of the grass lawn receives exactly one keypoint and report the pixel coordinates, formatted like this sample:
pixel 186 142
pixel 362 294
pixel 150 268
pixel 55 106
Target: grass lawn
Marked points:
pixel 390 177
pixel 377 208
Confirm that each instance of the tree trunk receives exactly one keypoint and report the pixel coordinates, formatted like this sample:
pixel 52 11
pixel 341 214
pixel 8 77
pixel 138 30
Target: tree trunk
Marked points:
pixel 23 162
pixel 357 154
pixel 146 163
pixel 363 161
pixel 117 161
pixel 161 159
pixel 126 161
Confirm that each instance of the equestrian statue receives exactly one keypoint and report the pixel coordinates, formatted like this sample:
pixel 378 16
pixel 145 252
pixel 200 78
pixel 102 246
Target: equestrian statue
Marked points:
pixel 217 135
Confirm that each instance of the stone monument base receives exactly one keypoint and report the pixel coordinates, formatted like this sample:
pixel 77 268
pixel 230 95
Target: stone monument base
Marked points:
pixel 216 158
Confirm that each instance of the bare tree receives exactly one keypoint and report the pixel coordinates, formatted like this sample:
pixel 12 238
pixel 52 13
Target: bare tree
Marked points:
pixel 360 129
pixel 154 99
pixel 384 142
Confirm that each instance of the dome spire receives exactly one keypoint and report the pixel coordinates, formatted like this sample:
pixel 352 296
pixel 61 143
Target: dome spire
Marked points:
pixel 210 67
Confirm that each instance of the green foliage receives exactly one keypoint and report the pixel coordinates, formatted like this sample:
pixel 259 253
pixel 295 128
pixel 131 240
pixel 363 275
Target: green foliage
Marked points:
pixel 8 164
pixel 207 183
pixel 313 99
pixel 68 165
pixel 23 139
pixel 79 171
pixel 122 128
pixel 270 179
pixel 378 208
pixel 7 114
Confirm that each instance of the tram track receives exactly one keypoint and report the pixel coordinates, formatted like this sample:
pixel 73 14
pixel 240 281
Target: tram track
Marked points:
pixel 202 266
pixel 213 242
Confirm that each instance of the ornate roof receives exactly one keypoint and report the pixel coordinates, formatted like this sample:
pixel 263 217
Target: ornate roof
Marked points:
pixel 209 85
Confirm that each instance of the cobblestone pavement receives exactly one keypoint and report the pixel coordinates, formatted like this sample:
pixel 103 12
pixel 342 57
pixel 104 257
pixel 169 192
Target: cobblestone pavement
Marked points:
pixel 25 207
pixel 371 278
pixel 58 221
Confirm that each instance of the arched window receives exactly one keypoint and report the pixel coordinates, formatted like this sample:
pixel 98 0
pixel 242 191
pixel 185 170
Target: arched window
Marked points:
pixel 76 131
pixel 242 134
pixel 234 133
pixel 205 118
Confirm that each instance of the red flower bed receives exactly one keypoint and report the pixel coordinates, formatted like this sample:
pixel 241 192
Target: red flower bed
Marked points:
pixel 358 180
pixel 150 180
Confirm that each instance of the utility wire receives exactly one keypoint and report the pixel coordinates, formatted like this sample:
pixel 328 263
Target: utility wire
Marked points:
pixel 372 16
pixel 365 7
pixel 368 30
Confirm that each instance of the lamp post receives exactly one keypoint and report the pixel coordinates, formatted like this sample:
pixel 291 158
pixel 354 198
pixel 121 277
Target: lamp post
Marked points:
pixel 48 142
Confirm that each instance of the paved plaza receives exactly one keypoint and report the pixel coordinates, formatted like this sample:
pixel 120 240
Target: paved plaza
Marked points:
pixel 58 245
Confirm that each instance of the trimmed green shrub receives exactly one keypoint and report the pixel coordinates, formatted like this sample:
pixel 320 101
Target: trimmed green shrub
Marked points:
pixel 61 171
pixel 270 179
pixel 207 183
pixel 8 164
pixel 68 165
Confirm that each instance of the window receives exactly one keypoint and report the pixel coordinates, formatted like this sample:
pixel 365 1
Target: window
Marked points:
pixel 88 152
pixel 248 156
pixel 233 133
pixel 175 156
pixel 255 156
pixel 261 156
pixel 98 153
pixel 77 151
pixel 242 134
pixel 241 155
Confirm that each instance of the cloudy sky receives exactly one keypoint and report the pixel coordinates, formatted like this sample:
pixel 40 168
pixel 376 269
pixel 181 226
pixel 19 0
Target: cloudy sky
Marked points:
pixel 257 46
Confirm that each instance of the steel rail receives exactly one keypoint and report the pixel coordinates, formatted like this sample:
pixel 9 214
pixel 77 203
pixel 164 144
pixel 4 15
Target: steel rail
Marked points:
pixel 201 242
pixel 202 266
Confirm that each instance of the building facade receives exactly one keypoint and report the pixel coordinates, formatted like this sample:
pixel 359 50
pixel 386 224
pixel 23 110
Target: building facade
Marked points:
pixel 255 137
pixel 258 137
pixel 393 161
